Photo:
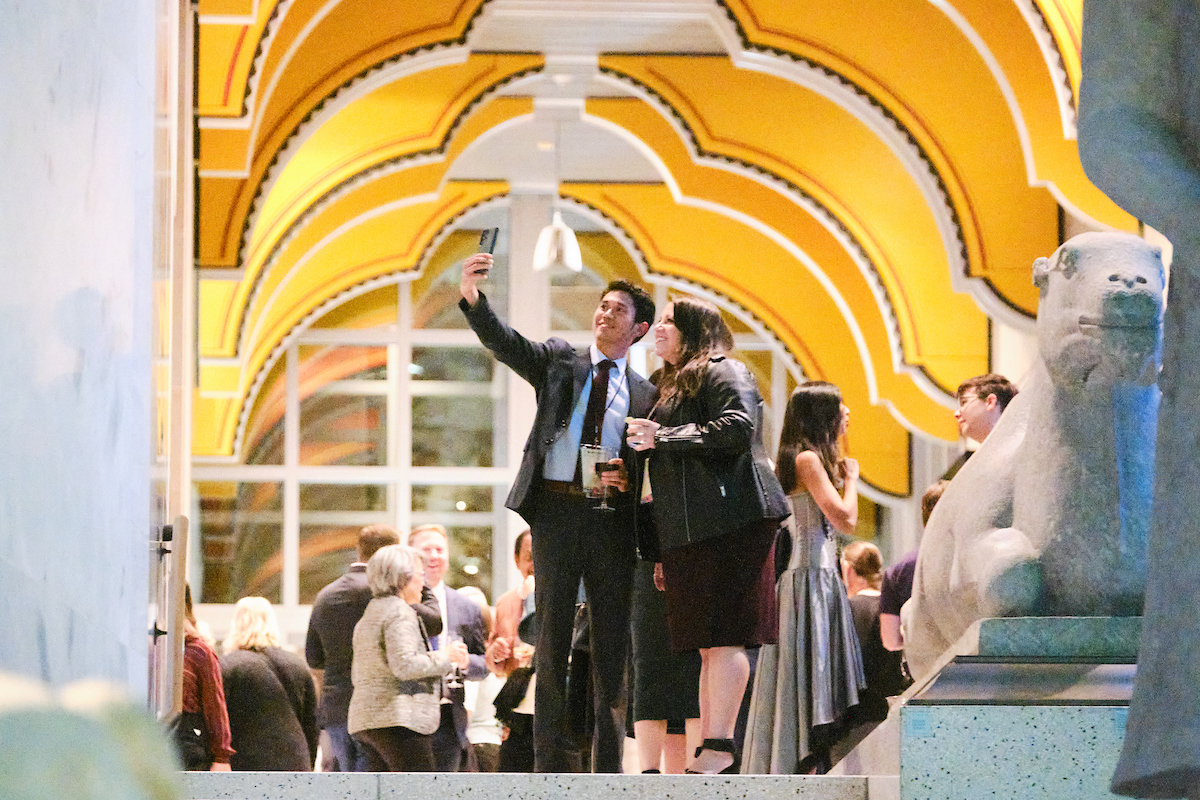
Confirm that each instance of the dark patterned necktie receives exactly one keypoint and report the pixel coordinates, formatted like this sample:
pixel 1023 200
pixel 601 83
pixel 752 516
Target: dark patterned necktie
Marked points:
pixel 593 418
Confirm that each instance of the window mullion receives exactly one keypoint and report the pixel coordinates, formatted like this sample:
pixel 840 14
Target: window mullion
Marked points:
pixel 290 575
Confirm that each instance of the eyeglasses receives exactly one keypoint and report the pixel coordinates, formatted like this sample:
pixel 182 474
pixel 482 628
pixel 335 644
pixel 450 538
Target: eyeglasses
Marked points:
pixel 963 402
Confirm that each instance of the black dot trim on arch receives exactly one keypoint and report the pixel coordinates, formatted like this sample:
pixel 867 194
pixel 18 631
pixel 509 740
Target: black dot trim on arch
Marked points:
pixel 333 94
pixel 1071 98
pixel 774 177
pixel 259 49
pixel 348 183
pixel 891 318
pixel 753 47
pixel 328 305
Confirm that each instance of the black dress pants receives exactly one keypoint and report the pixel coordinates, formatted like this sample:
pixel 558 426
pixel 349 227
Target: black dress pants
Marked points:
pixel 572 540
pixel 396 750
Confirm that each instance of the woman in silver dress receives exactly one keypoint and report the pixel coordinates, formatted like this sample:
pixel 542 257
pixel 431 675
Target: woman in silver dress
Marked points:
pixel 804 685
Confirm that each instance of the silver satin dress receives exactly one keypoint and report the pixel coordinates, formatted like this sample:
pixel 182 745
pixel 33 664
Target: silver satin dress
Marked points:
pixel 815 672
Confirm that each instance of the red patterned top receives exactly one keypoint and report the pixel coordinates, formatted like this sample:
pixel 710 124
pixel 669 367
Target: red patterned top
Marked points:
pixel 204 692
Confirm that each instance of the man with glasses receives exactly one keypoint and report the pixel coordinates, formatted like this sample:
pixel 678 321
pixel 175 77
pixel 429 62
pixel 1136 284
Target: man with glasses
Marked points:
pixel 981 401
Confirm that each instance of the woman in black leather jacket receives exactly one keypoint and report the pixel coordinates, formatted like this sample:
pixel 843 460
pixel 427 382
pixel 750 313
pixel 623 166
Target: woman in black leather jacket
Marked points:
pixel 717 505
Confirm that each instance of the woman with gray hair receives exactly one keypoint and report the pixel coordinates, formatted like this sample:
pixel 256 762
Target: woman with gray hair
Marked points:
pixel 397 678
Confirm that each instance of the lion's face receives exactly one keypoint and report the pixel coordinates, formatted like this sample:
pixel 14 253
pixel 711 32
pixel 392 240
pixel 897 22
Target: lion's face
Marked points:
pixel 1101 311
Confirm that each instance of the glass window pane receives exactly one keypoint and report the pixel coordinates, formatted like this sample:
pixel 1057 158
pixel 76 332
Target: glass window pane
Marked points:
pixel 473 364
pixel 451 498
pixel 452 431
pixel 325 553
pixel 435 293
pixel 321 365
pixel 344 430
pixel 470 558
pixel 264 432
pixel 343 497
pixel 241 540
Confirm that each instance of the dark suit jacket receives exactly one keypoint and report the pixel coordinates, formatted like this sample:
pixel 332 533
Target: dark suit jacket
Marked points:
pixel 464 618
pixel 557 373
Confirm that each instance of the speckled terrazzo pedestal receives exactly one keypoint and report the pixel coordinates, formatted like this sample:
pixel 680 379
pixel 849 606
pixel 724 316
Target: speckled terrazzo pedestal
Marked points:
pixel 463 786
pixel 1037 711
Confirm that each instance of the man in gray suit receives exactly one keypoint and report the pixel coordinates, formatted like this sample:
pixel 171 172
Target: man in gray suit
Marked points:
pixel 461 621
pixel 584 397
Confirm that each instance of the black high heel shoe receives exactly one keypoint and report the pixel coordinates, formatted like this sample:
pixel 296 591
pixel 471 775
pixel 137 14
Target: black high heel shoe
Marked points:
pixel 720 746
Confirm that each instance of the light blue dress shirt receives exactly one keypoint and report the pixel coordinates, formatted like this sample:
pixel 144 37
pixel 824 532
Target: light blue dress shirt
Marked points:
pixel 563 455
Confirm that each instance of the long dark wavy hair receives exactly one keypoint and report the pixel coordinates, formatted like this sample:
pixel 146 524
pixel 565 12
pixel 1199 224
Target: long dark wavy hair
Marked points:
pixel 702 335
pixel 811 422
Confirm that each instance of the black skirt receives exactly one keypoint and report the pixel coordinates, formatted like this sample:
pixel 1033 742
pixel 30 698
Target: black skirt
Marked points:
pixel 720 592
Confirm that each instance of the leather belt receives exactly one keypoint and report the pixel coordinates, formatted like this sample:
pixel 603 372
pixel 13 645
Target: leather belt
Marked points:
pixel 563 487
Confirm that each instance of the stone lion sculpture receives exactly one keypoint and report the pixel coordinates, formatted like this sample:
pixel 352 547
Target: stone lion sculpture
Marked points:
pixel 1050 517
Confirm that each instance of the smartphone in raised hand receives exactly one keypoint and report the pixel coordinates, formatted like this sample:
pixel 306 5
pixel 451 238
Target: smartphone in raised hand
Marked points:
pixel 487 240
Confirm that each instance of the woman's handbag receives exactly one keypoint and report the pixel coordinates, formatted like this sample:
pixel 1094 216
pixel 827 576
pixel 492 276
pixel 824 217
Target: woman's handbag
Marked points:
pixel 191 740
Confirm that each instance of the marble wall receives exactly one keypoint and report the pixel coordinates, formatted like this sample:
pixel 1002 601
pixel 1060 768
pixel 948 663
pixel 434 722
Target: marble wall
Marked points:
pixel 76 169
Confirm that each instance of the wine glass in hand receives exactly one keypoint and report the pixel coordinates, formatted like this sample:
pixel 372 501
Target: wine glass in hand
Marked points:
pixel 459 656
pixel 457 651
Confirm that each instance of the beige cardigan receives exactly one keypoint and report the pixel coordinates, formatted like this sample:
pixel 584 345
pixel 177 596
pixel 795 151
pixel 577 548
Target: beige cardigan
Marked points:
pixel 397 679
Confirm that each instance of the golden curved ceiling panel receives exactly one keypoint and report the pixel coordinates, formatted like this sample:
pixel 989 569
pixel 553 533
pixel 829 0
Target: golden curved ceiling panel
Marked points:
pixel 856 178
pixel 918 65
pixel 398 120
pixel 1006 38
pixel 712 249
pixel 375 133
pixel 376 138
pixel 307 55
pixel 957 351
pixel 321 45
pixel 1064 18
pixel 867 178
pixel 386 240
pixel 228 48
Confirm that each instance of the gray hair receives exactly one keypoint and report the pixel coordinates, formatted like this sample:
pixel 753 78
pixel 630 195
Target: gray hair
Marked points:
pixel 391 568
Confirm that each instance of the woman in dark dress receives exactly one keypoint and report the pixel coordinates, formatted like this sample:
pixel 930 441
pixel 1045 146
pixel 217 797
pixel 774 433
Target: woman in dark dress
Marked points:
pixel 666 703
pixel 717 505
pixel 862 573
pixel 270 695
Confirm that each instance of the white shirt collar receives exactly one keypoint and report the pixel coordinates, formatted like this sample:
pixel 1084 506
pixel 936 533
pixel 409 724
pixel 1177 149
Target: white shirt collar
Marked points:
pixel 598 356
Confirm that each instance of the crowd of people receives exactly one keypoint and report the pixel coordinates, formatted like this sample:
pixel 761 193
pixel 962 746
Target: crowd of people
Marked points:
pixel 674 585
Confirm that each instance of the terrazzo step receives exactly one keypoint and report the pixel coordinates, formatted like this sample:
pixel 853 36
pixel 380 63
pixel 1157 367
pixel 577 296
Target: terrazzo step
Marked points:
pixel 476 786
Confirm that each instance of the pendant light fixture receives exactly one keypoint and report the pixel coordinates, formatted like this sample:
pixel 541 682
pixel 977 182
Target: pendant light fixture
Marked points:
pixel 556 244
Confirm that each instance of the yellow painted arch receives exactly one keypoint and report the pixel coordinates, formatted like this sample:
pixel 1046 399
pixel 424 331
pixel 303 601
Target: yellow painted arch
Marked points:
pixel 695 244
pixel 348 41
pixel 870 193
pixel 309 184
pixel 378 245
pixel 920 67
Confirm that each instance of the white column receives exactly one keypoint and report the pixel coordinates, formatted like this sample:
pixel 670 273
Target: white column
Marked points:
pixel 1013 351
pixel 289 577
pixel 528 301
pixel 76 153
